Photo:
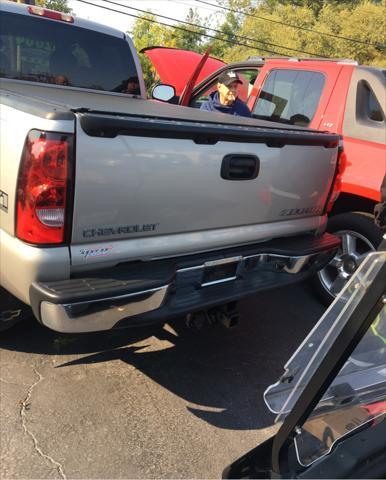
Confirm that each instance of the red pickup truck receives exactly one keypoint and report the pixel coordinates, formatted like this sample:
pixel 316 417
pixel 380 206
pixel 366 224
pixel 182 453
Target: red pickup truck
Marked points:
pixel 339 96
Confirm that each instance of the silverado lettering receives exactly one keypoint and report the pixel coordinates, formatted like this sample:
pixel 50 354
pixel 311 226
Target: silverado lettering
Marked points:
pixel 301 211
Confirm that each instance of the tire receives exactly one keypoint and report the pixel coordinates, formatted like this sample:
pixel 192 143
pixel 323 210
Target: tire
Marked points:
pixel 12 310
pixel 359 236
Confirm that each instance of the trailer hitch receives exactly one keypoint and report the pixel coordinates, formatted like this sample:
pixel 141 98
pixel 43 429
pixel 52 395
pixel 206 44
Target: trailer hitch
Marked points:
pixel 227 315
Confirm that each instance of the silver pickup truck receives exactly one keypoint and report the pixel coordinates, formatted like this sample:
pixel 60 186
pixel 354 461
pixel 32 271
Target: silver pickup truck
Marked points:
pixel 119 211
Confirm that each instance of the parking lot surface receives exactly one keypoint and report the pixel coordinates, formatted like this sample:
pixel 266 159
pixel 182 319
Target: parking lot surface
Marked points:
pixel 145 403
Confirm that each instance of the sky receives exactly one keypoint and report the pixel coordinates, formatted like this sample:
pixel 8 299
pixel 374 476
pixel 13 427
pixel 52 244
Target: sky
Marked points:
pixel 177 9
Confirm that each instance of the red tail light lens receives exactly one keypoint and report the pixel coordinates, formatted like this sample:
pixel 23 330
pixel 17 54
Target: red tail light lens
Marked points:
pixel 337 187
pixel 42 189
pixel 44 12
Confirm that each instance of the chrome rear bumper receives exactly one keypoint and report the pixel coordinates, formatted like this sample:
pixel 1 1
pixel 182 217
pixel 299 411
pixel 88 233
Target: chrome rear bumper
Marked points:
pixel 100 314
pixel 102 303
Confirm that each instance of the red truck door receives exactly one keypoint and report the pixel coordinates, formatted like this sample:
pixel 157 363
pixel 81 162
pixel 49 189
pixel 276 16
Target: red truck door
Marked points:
pixel 294 92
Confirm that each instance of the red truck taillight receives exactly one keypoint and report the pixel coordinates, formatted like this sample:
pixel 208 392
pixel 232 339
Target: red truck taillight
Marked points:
pixel 337 187
pixel 43 187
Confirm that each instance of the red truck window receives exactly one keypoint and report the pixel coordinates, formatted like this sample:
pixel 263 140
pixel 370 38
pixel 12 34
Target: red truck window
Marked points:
pixel 46 51
pixel 290 96
pixel 373 109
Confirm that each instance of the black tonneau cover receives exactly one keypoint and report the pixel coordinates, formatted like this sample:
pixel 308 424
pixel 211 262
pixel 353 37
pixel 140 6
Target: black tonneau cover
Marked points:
pixel 98 124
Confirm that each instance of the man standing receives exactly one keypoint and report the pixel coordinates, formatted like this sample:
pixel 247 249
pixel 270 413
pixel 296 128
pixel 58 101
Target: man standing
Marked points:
pixel 225 99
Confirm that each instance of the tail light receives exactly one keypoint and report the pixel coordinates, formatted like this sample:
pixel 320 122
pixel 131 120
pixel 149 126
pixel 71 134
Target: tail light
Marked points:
pixel 43 188
pixel 337 186
pixel 45 12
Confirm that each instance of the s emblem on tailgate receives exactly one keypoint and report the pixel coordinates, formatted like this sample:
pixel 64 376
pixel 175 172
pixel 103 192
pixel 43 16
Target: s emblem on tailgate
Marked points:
pixel 121 230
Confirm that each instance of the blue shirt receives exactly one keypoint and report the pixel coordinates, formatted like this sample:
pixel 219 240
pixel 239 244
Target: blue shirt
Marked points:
pixel 237 108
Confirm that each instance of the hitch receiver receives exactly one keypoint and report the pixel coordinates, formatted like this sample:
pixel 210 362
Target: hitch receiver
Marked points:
pixel 227 315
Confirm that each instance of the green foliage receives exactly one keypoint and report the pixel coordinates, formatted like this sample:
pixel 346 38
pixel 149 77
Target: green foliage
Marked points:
pixel 147 33
pixel 191 41
pixel 58 5
pixel 267 33
pixel 229 25
pixel 365 22
pixel 315 5
pixel 361 20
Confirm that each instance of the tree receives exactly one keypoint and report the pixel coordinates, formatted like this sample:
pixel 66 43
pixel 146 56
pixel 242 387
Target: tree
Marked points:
pixel 228 24
pixel 58 5
pixel 147 32
pixel 362 21
pixel 315 5
pixel 191 37
pixel 365 23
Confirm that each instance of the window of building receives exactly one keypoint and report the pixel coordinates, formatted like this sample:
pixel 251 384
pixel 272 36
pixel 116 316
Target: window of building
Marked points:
pixel 373 109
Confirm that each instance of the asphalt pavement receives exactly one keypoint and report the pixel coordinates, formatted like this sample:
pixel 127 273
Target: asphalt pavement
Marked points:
pixel 146 403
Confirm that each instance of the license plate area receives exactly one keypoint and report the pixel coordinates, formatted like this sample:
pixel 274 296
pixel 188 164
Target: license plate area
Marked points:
pixel 220 271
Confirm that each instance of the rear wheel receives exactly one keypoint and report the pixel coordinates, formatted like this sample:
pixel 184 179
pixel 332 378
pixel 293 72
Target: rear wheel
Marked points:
pixel 12 310
pixel 359 236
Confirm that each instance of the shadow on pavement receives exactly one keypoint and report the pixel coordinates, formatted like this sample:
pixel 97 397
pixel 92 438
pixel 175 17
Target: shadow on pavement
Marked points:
pixel 221 372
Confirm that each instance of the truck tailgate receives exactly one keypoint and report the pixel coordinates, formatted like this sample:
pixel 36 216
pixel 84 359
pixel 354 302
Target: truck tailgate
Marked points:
pixel 142 177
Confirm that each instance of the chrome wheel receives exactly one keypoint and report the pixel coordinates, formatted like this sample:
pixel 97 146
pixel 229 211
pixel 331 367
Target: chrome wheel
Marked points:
pixel 353 250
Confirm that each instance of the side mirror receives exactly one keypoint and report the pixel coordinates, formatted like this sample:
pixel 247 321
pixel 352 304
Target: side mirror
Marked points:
pixel 164 93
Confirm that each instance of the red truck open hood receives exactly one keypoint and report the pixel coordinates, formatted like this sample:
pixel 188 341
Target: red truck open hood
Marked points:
pixel 175 67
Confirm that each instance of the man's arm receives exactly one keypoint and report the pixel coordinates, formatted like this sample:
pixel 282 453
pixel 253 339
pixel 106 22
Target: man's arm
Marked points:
pixel 243 110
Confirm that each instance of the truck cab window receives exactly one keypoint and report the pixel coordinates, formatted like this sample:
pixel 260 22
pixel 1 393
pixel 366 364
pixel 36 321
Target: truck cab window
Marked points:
pixel 374 111
pixel 290 96
pixel 64 55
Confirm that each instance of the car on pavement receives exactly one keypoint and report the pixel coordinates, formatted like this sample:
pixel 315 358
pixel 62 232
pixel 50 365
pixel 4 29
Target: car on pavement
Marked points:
pixel 119 211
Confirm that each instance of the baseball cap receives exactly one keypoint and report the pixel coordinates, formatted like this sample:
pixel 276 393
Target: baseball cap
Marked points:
pixel 229 77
